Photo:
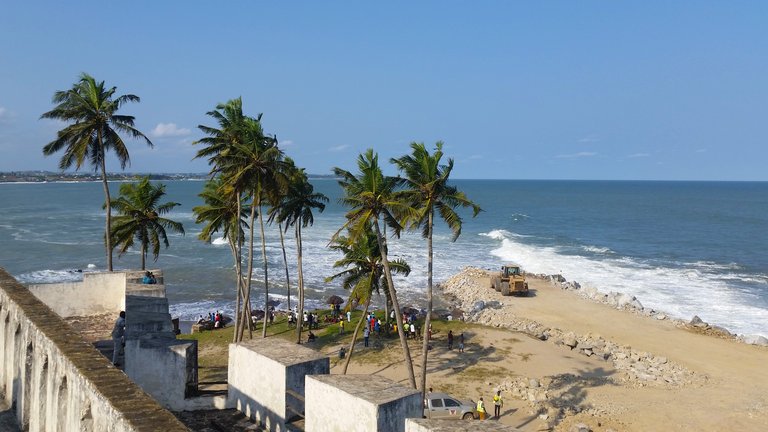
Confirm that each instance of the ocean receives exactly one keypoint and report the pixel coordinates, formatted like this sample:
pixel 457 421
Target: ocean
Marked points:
pixel 685 248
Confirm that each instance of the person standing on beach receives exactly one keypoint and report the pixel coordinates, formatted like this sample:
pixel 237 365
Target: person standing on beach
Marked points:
pixel 366 334
pixel 450 339
pixel 481 409
pixel 341 326
pixel 497 404
pixel 461 342
pixel 118 331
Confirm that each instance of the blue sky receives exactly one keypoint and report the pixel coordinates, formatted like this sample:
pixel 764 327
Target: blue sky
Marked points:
pixel 518 90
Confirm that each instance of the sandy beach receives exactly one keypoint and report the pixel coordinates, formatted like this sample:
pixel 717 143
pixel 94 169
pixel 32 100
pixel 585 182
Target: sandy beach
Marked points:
pixel 561 359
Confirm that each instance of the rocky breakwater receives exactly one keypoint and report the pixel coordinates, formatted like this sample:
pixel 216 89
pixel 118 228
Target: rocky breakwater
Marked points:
pixel 549 397
pixel 470 291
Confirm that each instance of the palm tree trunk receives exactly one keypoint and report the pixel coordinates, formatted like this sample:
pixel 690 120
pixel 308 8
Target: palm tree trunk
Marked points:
pixel 143 255
pixel 266 276
pixel 108 203
pixel 300 310
pixel 285 261
pixel 238 288
pixel 395 304
pixel 354 335
pixel 428 319
pixel 250 275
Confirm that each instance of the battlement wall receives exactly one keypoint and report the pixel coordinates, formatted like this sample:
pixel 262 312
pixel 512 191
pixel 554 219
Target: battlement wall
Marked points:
pixel 57 381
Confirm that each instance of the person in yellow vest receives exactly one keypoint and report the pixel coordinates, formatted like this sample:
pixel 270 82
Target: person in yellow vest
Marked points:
pixel 481 409
pixel 497 404
pixel 341 326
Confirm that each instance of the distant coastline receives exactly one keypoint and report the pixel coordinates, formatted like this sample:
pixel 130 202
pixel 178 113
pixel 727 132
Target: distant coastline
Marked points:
pixel 77 177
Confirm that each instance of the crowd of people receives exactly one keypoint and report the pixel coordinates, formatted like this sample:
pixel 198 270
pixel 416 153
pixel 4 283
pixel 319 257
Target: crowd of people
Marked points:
pixel 212 320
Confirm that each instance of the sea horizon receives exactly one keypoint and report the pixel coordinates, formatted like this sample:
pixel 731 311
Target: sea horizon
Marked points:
pixel 682 247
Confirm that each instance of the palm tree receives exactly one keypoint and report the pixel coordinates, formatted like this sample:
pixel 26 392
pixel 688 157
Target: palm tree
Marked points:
pixel 223 211
pixel 371 197
pixel 219 144
pixel 91 109
pixel 140 218
pixel 364 274
pixel 251 163
pixel 257 167
pixel 295 209
pixel 427 190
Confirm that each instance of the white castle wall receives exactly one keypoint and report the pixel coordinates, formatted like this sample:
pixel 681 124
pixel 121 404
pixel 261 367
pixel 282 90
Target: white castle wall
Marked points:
pixel 267 378
pixel 56 381
pixel 98 293
pixel 358 403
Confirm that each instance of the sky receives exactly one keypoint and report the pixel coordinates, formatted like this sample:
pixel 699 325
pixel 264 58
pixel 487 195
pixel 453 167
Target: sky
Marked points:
pixel 615 90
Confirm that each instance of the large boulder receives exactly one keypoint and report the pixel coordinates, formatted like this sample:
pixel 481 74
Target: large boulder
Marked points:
pixel 697 322
pixel 569 340
pixel 624 299
pixel 755 340
pixel 478 306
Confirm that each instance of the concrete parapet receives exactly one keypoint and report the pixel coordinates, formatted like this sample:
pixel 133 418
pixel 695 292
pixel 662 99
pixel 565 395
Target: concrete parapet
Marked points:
pixel 58 381
pixel 163 366
pixel 358 403
pixel 98 293
pixel 453 425
pixel 145 290
pixel 267 379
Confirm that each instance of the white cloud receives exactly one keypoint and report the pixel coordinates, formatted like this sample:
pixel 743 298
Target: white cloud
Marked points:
pixel 286 143
pixel 638 155
pixel 576 155
pixel 3 111
pixel 476 156
pixel 163 130
pixel 339 148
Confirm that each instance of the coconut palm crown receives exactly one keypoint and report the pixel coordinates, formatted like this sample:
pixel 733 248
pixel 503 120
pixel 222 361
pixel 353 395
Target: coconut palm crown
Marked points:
pixel 140 218
pixel 363 274
pixel 94 126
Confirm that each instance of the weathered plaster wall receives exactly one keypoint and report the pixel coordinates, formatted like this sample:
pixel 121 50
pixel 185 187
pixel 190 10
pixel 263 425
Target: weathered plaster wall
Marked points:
pixel 163 366
pixel 98 293
pixel 267 377
pixel 58 382
pixel 358 403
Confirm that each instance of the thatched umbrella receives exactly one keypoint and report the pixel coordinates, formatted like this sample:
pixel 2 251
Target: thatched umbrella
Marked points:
pixel 335 300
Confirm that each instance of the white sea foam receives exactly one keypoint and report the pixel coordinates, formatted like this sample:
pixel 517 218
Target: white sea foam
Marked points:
pixel 597 249
pixel 681 291
pixel 219 241
pixel 50 276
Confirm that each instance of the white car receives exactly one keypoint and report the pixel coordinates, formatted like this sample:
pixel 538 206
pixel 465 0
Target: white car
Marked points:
pixel 443 405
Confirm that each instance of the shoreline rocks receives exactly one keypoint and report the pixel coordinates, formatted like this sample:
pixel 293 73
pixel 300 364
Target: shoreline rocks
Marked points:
pixel 639 368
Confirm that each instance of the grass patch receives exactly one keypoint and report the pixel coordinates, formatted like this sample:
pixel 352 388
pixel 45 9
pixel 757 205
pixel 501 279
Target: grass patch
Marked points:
pixel 213 346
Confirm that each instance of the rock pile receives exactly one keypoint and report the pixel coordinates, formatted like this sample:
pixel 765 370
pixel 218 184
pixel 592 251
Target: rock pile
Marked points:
pixel 640 368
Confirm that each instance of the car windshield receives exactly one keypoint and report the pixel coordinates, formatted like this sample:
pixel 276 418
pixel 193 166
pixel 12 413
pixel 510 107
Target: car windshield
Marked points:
pixel 437 403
